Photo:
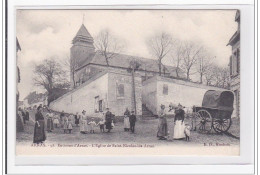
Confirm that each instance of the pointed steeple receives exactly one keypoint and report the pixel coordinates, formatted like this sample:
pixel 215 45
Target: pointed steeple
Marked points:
pixel 83 36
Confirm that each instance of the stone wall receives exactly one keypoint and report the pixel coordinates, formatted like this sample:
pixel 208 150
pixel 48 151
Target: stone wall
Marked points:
pixel 179 91
pixel 84 97
pixel 149 95
pixel 117 103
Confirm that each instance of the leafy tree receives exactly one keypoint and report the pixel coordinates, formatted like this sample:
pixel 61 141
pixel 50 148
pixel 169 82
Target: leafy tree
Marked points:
pixel 50 75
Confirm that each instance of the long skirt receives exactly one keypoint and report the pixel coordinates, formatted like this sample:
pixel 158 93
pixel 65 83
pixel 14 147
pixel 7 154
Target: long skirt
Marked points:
pixel 39 133
pixel 49 124
pixel 70 125
pixel 108 125
pixel 83 126
pixel 126 123
pixel 76 121
pixel 162 128
pixel 179 130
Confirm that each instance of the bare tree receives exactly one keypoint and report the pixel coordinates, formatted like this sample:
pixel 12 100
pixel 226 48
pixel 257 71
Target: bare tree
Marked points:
pixel 108 45
pixel 71 66
pixel 218 76
pixel 224 78
pixel 177 56
pixel 209 75
pixel 50 75
pixel 190 56
pixel 204 62
pixel 160 46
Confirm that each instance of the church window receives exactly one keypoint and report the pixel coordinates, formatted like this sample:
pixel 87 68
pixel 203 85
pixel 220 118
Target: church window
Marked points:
pixel 96 107
pixel 120 90
pixel 100 105
pixel 165 89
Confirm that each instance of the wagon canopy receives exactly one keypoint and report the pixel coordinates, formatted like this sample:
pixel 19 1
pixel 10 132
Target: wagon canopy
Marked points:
pixel 222 100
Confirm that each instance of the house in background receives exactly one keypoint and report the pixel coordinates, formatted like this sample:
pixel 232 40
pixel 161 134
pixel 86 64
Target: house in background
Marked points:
pixel 234 65
pixel 35 99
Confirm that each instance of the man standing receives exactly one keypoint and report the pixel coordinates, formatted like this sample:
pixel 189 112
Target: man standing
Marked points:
pixel 108 120
pixel 132 120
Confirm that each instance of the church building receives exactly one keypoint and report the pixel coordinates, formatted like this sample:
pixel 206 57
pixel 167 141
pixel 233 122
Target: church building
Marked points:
pixel 96 85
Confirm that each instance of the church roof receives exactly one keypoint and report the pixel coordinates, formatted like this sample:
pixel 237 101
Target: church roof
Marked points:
pixel 123 61
pixel 83 32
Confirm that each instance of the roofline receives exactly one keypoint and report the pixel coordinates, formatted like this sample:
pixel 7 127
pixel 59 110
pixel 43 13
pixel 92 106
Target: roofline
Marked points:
pixel 234 36
pixel 181 82
pixel 82 85
pixel 114 67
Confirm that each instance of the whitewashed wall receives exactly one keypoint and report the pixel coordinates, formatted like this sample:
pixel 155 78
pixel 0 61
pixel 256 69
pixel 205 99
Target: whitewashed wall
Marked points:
pixel 186 93
pixel 187 96
pixel 83 97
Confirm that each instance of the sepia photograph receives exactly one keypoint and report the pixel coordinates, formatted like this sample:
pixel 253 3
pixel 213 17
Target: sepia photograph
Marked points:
pixel 127 82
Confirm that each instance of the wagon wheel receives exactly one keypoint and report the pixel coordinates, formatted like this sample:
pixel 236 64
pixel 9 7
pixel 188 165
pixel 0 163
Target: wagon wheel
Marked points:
pixel 221 125
pixel 203 121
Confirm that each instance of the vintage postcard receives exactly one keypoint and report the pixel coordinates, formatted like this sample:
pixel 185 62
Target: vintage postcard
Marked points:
pixel 128 82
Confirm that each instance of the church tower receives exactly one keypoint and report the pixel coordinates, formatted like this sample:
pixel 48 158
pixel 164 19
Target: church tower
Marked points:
pixel 81 51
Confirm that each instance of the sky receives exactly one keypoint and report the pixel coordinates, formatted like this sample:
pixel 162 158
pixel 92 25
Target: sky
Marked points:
pixel 48 33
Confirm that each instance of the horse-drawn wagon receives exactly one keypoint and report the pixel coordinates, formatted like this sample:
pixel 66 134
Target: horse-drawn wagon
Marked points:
pixel 215 112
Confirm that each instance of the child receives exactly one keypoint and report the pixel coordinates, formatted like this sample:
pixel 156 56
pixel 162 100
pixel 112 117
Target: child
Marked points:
pixel 101 124
pixel 69 123
pixel 187 132
pixel 56 121
pixel 92 125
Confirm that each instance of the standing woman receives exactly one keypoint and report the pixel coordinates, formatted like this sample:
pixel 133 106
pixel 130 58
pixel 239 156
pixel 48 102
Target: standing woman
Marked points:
pixel 179 123
pixel 83 123
pixel 39 133
pixel 162 126
pixel 126 120
pixel 49 121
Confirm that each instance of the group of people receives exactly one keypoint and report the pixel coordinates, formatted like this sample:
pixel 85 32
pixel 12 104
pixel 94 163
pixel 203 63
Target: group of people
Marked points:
pixel 180 131
pixel 24 114
pixel 129 121
pixel 106 121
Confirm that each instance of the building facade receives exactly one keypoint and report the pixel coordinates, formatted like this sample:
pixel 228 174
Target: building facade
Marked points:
pixel 96 85
pixel 159 91
pixel 234 64
pixel 109 88
pixel 120 88
pixel 86 61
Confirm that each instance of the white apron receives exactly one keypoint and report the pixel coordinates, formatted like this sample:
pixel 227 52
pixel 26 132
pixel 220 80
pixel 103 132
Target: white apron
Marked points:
pixel 83 124
pixel 126 122
pixel 179 130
